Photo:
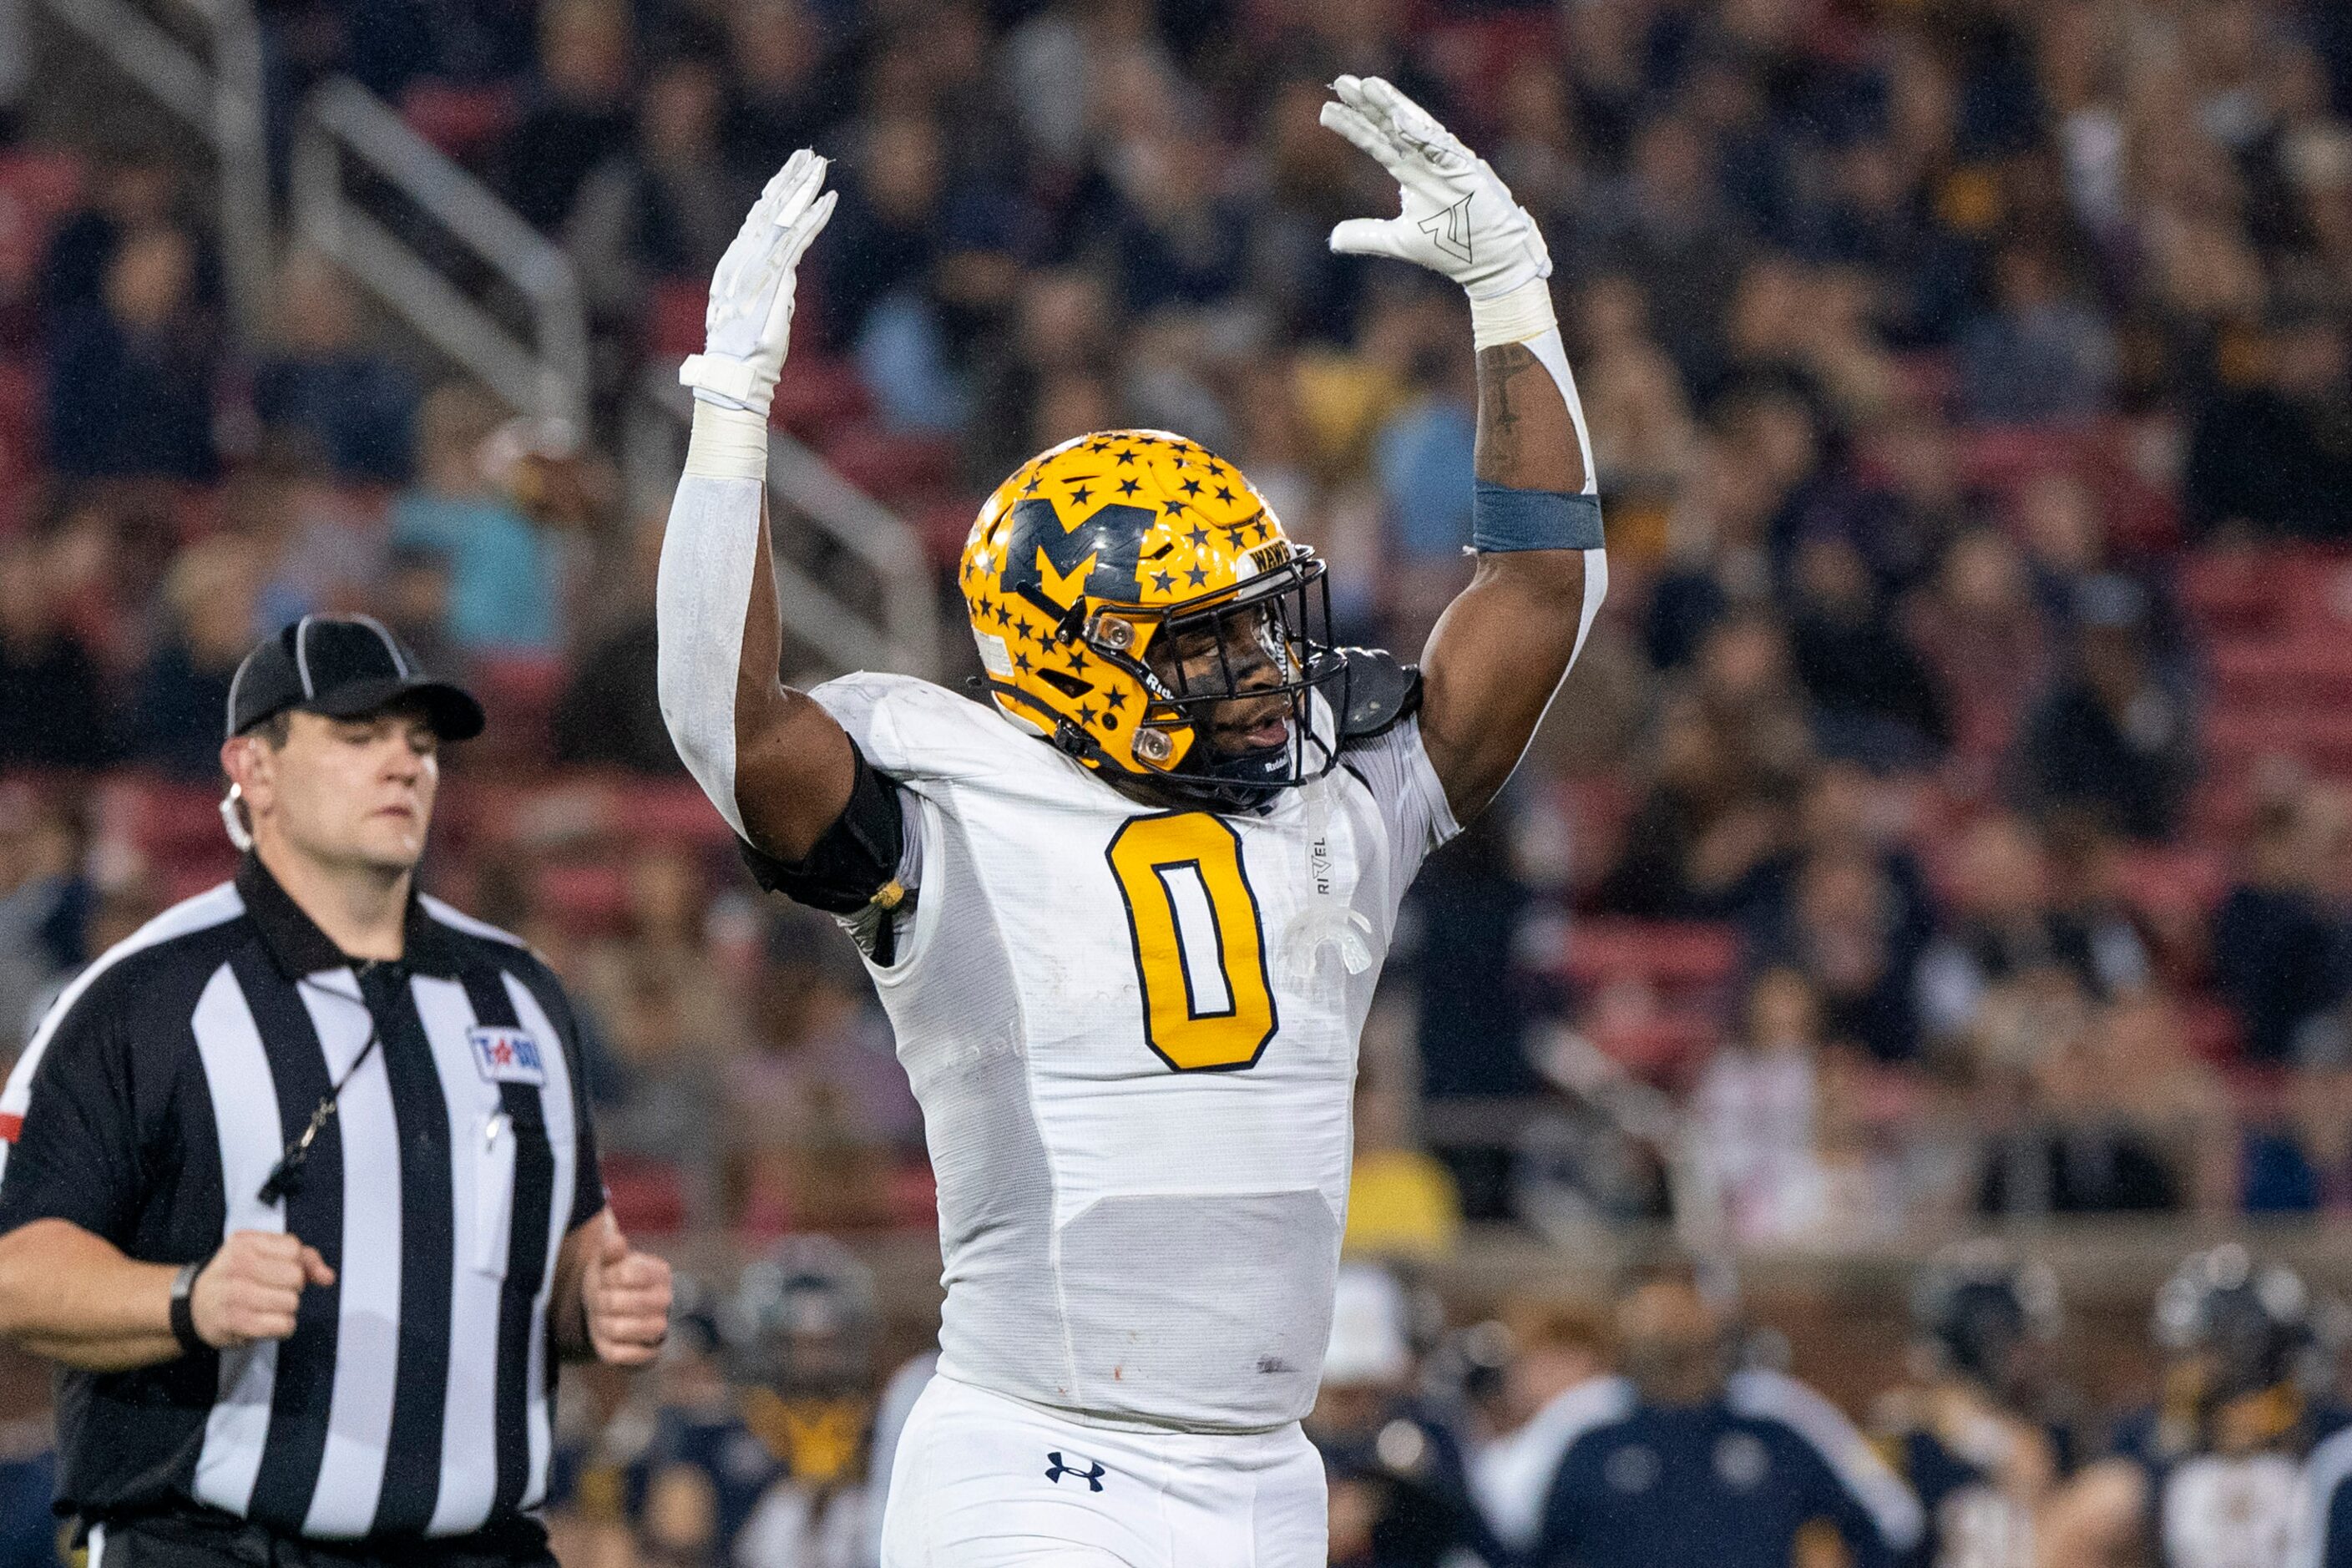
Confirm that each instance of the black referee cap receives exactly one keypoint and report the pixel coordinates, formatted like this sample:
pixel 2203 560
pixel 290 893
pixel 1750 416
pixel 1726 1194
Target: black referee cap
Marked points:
pixel 342 667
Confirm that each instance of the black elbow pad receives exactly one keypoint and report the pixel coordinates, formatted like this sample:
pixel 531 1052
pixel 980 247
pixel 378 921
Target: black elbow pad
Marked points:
pixel 854 868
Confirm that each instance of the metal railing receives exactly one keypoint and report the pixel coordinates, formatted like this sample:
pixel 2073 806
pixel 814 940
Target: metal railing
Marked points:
pixel 854 588
pixel 343 126
pixel 220 99
pixel 890 621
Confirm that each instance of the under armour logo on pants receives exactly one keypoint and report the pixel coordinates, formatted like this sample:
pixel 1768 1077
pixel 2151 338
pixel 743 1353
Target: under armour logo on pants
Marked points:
pixel 1055 1468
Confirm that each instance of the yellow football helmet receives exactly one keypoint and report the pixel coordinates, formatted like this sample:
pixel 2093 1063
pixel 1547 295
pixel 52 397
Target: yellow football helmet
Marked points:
pixel 1131 594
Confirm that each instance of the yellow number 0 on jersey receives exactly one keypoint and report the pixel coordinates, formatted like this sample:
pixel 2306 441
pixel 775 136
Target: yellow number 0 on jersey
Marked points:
pixel 1182 1020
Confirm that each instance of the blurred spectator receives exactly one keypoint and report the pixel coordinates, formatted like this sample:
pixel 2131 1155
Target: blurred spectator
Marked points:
pixel 131 190
pixel 1873 695
pixel 15 66
pixel 663 209
pixel 52 712
pixel 313 548
pixel 2040 354
pixel 327 387
pixel 415 600
pixel 46 904
pixel 1984 637
pixel 663 1095
pixel 1663 223
pixel 2271 452
pixel 1751 1131
pixel 2282 952
pixel 1398 1494
pixel 580 113
pixel 183 692
pixel 1401 1201
pixel 503 593
pixel 2111 735
pixel 609 713
pixel 1179 241
pixel 784 96
pixel 1732 753
pixel 819 1109
pixel 2124 1119
pixel 2004 925
pixel 1842 932
pixel 131 371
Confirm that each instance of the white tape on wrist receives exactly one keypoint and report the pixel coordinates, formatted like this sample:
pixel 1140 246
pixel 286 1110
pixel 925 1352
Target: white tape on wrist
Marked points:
pixel 727 378
pixel 1514 318
pixel 726 443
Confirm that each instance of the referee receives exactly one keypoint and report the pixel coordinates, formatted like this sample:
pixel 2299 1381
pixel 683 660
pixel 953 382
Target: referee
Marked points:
pixel 299 1186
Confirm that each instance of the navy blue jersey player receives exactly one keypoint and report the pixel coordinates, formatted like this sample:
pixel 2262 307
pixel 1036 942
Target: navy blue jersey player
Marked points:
pixel 2220 1474
pixel 1684 1461
pixel 1972 1435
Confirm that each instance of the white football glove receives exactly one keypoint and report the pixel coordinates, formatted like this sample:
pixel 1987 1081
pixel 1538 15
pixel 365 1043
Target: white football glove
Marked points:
pixel 1459 219
pixel 750 322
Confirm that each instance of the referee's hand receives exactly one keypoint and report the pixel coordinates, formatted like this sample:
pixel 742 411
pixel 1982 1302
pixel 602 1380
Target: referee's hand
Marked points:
pixel 253 1287
pixel 625 1295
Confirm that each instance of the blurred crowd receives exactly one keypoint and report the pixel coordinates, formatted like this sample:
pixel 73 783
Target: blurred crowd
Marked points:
pixel 1891 863
pixel 1659 1424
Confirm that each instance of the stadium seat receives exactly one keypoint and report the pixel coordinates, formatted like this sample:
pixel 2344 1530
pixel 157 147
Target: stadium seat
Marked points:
pixel 1672 957
pixel 887 464
pixel 463 122
pixel 2176 880
pixel 586 896
pixel 817 397
pixel 674 320
pixel 647 1196
pixel 519 693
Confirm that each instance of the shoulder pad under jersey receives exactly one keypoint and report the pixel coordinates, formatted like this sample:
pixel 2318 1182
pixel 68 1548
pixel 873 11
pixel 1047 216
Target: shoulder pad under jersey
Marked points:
pixel 1381 693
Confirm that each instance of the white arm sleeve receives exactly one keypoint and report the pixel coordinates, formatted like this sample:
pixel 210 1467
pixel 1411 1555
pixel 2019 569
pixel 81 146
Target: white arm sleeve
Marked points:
pixel 704 593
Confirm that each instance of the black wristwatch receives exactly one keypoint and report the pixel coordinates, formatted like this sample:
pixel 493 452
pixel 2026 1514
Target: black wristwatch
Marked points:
pixel 184 1311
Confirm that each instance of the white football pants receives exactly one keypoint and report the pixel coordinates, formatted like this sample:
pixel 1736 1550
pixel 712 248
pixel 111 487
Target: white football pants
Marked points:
pixel 983 1482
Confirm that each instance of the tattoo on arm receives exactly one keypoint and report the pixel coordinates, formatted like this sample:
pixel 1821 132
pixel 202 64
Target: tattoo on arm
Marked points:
pixel 1525 438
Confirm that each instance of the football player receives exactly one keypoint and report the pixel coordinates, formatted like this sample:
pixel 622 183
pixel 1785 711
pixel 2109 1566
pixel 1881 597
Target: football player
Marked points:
pixel 2221 1473
pixel 1969 1436
pixel 1127 914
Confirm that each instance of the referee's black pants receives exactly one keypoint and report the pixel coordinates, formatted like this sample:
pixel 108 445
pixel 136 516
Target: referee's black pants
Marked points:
pixel 207 1539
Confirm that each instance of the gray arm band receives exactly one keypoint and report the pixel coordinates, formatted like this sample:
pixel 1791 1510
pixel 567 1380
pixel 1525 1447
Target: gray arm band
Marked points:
pixel 1502 518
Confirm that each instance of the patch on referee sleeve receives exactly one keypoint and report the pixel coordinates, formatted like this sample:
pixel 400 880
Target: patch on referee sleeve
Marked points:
pixel 507 1056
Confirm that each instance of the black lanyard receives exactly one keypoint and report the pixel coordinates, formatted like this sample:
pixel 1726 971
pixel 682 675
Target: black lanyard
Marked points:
pixel 286 1176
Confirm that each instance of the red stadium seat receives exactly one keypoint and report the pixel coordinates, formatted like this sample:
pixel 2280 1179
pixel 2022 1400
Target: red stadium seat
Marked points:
pixel 817 397
pixel 584 896
pixel 1670 955
pixel 647 1196
pixel 463 122
pixel 1661 1049
pixel 2184 879
pixel 518 693
pixel 887 464
pixel 36 189
pixel 674 319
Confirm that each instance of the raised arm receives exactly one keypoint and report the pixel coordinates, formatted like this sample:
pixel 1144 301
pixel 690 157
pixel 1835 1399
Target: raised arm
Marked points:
pixel 1501 648
pixel 774 763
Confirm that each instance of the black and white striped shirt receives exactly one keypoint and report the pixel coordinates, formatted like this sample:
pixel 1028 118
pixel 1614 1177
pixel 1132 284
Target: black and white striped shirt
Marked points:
pixel 413 1398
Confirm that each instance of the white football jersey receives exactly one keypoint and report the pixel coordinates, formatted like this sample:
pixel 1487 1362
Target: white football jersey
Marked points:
pixel 1133 1033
